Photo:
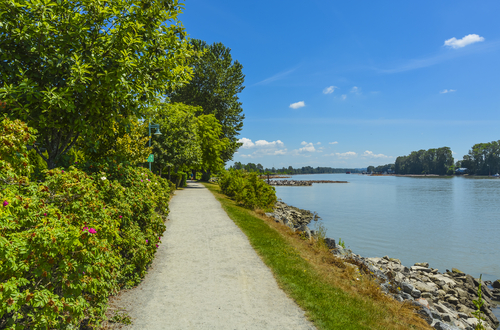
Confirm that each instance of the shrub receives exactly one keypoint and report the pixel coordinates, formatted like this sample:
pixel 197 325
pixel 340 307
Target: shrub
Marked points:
pixel 69 242
pixel 247 189
pixel 183 179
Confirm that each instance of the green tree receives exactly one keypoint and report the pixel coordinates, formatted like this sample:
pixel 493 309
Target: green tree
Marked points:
pixel 212 146
pixel 178 146
pixel 215 86
pixel 69 68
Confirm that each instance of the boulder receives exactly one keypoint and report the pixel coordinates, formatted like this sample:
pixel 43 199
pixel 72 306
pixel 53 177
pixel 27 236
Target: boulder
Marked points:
pixel 422 264
pixel 443 326
pixel 330 242
pixel 456 271
pixel 496 284
pixel 406 287
pixel 416 293
pixel 420 269
pixel 425 313
pixel 426 287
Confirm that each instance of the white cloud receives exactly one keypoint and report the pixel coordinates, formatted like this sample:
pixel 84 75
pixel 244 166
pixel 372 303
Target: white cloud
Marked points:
pixel 467 40
pixel 343 97
pixel 247 143
pixel 308 147
pixel 335 142
pixel 370 154
pixel 356 90
pixel 329 90
pixel 263 147
pixel 447 91
pixel 318 143
pixel 297 105
pixel 346 154
pixel 343 155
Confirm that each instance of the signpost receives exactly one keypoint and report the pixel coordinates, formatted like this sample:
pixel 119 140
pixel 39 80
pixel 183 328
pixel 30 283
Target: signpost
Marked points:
pixel 151 158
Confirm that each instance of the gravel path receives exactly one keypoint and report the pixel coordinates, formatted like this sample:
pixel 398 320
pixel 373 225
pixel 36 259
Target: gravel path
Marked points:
pixel 207 276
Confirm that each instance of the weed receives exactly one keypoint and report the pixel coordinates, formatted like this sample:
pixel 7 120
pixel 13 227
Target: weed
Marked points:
pixel 341 243
pixel 121 317
pixel 479 303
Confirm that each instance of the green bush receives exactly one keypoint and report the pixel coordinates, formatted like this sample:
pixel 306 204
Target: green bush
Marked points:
pixel 247 189
pixel 183 179
pixel 176 179
pixel 69 242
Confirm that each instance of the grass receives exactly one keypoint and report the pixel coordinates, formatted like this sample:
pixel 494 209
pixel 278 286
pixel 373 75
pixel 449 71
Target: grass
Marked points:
pixel 333 294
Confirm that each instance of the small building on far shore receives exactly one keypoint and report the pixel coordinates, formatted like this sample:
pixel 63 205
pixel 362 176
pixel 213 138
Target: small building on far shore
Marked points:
pixel 461 171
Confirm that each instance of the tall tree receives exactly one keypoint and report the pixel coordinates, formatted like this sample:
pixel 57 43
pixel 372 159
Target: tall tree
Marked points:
pixel 215 86
pixel 178 146
pixel 69 68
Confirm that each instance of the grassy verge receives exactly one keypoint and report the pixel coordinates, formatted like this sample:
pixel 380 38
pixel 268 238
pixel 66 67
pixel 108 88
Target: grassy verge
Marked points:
pixel 332 293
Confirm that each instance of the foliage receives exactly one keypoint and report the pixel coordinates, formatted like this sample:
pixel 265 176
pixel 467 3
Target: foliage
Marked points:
pixel 14 159
pixel 479 303
pixel 341 243
pixel 432 161
pixel 178 146
pixel 69 242
pixel 125 142
pixel 483 158
pixel 247 189
pixel 212 146
pixel 215 86
pixel 70 68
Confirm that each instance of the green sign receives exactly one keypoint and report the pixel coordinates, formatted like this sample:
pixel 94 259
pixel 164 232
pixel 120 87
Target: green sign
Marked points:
pixel 151 158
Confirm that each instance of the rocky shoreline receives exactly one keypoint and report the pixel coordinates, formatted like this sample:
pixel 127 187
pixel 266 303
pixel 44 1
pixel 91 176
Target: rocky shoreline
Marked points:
pixel 298 183
pixel 444 300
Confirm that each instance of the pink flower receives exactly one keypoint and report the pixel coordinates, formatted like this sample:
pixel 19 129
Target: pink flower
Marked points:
pixel 141 180
pixel 159 238
pixel 45 214
pixel 147 241
pixel 5 203
pixel 156 245
pixel 62 171
pixel 120 217
pixel 92 231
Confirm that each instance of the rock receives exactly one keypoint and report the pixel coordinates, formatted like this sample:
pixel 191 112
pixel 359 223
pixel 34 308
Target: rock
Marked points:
pixel 406 296
pixel 496 284
pixel 451 300
pixel 443 326
pixel 426 287
pixel 270 215
pixel 446 317
pixel 416 293
pixel 419 268
pixel 423 302
pixel 330 242
pixel 406 287
pixel 425 313
pixel 304 229
pixel 422 264
pixel 454 270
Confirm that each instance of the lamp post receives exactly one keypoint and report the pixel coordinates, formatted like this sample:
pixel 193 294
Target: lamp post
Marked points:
pixel 150 126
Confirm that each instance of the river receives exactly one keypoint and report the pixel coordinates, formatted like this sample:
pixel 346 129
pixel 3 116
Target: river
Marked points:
pixel 447 222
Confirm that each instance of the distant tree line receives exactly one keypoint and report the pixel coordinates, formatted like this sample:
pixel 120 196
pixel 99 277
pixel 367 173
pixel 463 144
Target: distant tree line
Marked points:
pixel 482 159
pixel 387 168
pixel 433 161
pixel 251 167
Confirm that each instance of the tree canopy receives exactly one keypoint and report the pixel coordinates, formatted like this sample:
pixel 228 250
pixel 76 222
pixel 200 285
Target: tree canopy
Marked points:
pixel 69 68
pixel 215 86
pixel 483 158
pixel 432 161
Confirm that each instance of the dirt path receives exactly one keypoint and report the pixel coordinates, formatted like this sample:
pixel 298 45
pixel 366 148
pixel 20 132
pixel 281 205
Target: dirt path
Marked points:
pixel 207 276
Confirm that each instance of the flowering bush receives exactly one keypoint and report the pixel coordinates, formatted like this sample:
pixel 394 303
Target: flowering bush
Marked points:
pixel 69 242
pixel 247 189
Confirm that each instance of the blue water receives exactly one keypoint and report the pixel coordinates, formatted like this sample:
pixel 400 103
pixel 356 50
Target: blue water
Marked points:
pixel 448 222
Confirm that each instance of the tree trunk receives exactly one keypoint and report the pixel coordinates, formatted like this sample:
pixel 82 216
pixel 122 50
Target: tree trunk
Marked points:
pixel 169 174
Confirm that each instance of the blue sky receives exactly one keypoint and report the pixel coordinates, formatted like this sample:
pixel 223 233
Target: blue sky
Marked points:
pixel 358 83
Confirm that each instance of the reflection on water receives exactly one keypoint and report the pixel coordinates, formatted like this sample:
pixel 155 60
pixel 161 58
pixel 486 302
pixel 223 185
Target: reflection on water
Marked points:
pixel 448 222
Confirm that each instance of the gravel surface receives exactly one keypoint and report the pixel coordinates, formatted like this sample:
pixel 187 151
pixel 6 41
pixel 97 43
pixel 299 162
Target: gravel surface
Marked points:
pixel 207 276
